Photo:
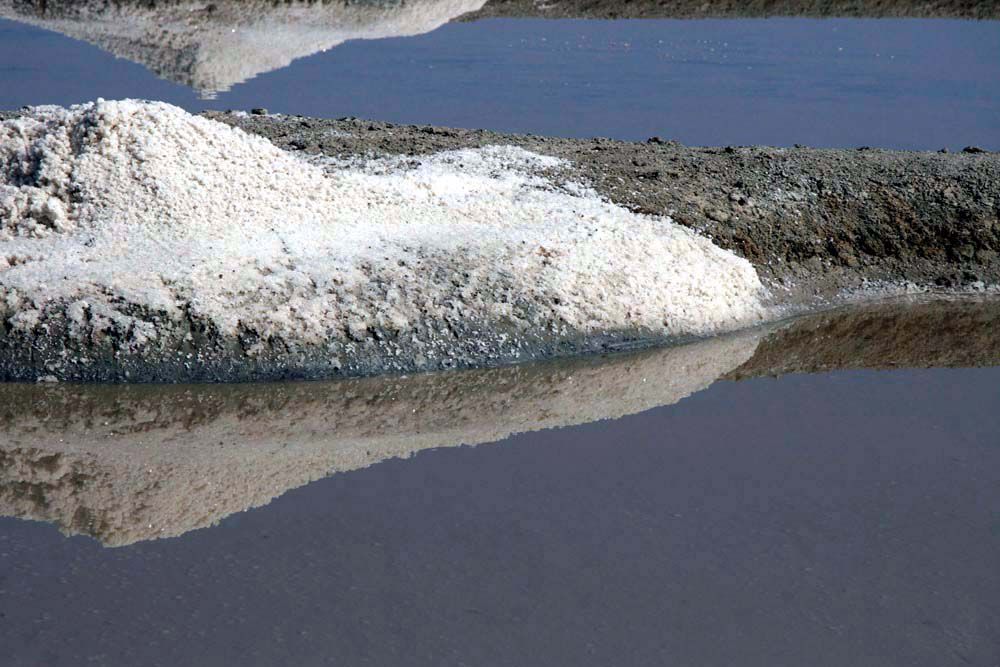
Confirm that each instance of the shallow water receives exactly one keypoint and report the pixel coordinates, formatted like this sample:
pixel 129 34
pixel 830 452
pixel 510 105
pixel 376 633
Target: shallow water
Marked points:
pixel 720 515
pixel 891 83
pixel 670 506
pixel 823 519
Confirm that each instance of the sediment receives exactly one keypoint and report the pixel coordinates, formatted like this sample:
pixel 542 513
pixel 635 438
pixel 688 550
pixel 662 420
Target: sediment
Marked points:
pixel 822 227
pixel 141 243
pixel 697 9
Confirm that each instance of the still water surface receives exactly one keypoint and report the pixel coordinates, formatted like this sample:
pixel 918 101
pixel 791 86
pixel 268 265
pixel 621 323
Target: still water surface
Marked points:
pixel 825 519
pixel 851 517
pixel 820 518
pixel 907 84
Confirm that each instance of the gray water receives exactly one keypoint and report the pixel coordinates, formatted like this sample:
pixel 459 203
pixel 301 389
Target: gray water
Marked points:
pixel 848 518
pixel 909 84
pixel 851 517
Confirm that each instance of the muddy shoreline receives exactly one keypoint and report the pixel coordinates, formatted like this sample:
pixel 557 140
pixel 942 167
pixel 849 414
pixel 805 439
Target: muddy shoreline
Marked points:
pixel 697 9
pixel 130 462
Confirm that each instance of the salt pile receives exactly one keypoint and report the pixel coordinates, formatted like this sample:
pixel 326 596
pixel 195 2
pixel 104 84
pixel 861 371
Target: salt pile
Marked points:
pixel 211 46
pixel 136 236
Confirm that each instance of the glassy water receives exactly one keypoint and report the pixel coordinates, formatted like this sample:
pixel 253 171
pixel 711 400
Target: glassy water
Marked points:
pixel 674 506
pixel 822 519
pixel 904 84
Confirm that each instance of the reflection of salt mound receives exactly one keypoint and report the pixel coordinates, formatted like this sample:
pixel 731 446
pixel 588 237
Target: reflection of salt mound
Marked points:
pixel 210 46
pixel 133 233
pixel 134 462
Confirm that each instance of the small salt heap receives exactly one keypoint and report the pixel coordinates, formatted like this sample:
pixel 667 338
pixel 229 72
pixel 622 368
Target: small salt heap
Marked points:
pixel 119 220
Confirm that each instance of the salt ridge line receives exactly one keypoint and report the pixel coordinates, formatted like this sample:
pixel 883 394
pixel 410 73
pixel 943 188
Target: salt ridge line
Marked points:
pixel 121 223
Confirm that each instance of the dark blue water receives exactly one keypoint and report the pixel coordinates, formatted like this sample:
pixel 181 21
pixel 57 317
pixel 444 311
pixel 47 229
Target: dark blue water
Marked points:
pixel 910 84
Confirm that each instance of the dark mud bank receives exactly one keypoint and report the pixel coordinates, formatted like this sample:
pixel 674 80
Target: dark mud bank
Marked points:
pixel 694 9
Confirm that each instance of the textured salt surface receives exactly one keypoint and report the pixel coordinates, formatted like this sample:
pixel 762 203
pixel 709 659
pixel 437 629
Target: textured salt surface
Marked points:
pixel 213 46
pixel 125 225
pixel 129 463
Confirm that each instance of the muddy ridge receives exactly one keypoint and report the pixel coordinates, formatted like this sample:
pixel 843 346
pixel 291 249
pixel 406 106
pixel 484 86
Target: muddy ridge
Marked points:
pixel 695 9
pixel 822 227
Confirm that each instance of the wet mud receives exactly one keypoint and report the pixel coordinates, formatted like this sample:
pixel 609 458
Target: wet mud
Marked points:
pixel 696 9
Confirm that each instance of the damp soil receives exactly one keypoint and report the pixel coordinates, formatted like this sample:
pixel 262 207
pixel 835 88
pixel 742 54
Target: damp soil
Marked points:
pixel 695 9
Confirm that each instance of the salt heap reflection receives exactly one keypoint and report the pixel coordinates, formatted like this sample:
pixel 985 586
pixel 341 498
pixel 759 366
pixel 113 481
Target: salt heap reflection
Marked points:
pixel 126 463
pixel 212 46
pixel 129 463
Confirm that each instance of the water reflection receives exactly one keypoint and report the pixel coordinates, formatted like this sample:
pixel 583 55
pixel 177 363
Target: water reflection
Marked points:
pixel 212 46
pixel 918 332
pixel 131 463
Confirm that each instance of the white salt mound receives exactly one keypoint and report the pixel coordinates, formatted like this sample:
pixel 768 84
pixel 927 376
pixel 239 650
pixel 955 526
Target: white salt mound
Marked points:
pixel 113 204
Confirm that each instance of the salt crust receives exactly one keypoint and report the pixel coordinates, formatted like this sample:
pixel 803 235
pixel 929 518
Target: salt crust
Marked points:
pixel 129 203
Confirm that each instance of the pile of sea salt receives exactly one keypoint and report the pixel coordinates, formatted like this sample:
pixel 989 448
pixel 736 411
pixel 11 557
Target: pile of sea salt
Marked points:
pixel 109 209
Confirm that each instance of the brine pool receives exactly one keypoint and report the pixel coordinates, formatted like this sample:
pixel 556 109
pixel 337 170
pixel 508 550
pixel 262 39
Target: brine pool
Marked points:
pixel 782 496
